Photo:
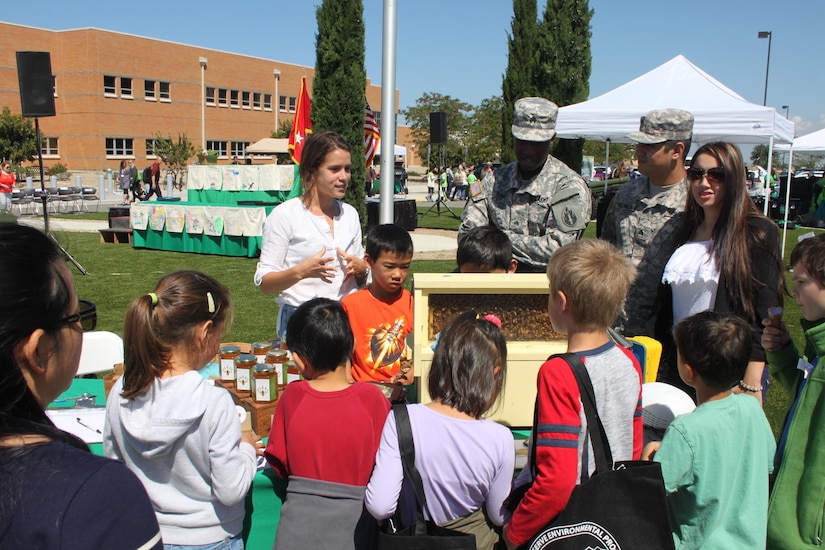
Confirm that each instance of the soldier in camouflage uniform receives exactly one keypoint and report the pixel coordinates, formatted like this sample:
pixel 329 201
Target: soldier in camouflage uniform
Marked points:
pixel 643 217
pixel 540 203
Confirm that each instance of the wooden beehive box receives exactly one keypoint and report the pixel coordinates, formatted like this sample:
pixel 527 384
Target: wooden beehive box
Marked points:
pixel 519 300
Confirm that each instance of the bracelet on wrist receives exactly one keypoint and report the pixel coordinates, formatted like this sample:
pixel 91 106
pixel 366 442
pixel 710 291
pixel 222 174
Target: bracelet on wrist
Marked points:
pixel 750 389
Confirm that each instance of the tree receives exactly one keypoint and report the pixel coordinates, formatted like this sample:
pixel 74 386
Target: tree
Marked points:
pixel 618 151
pixel 175 154
pixel 485 135
pixel 520 77
pixel 282 132
pixel 458 125
pixel 18 139
pixel 565 62
pixel 339 90
pixel 759 156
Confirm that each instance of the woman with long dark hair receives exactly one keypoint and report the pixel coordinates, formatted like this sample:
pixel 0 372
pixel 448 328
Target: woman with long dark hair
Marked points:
pixel 53 492
pixel 728 257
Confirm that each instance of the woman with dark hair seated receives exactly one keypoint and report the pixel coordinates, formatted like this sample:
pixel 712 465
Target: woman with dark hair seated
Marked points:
pixel 53 492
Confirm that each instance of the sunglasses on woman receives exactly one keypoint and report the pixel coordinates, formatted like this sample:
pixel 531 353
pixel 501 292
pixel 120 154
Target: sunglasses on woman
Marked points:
pixel 714 175
pixel 87 316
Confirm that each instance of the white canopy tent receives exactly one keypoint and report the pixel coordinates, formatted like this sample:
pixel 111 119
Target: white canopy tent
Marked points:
pixel 269 145
pixel 809 143
pixel 719 112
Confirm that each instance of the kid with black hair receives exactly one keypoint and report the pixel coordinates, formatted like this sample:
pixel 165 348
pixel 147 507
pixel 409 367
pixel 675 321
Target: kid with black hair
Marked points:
pixel 324 435
pixel 465 482
pixel 381 315
pixel 716 460
pixel 485 249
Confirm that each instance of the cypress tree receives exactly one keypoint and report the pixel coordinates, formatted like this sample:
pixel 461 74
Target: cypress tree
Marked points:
pixel 339 89
pixel 565 62
pixel 520 77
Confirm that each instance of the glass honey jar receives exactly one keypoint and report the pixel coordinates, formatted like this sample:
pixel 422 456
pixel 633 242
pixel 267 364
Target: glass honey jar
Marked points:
pixel 278 358
pixel 243 371
pixel 292 372
pixel 260 349
pixel 266 385
pixel 227 355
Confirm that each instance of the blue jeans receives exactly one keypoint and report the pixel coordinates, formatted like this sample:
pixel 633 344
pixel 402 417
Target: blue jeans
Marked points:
pixel 284 313
pixel 235 543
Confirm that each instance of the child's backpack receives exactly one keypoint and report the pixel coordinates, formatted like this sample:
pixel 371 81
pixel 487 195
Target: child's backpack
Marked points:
pixel 147 174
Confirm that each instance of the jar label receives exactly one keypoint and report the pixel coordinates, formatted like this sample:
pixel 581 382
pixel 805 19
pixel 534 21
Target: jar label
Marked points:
pixel 261 357
pixel 242 380
pixel 228 370
pixel 292 377
pixel 279 372
pixel 264 389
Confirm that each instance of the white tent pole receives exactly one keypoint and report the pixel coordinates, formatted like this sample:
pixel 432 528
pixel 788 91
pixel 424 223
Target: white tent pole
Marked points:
pixel 768 179
pixel 787 199
pixel 606 162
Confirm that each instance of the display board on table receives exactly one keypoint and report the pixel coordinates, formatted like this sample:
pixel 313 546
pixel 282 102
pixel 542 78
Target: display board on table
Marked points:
pixel 235 183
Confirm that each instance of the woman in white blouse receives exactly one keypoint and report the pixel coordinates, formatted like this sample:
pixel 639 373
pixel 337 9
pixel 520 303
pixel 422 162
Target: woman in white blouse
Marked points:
pixel 312 244
pixel 729 258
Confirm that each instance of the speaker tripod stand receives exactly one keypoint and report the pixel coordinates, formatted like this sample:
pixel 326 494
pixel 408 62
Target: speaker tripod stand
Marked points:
pixel 441 197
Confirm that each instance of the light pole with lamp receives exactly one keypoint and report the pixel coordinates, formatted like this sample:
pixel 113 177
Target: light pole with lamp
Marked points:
pixel 787 111
pixel 768 35
pixel 203 62
pixel 277 74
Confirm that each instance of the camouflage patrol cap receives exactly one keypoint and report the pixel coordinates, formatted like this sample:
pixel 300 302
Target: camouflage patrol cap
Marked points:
pixel 534 119
pixel 664 125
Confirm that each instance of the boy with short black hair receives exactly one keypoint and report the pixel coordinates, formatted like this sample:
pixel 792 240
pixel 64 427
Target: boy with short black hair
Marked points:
pixel 716 460
pixel 795 507
pixel 485 249
pixel 588 283
pixel 381 315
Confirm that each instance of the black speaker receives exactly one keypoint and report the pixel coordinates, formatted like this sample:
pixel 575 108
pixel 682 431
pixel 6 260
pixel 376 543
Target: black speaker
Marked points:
pixel 438 127
pixel 34 73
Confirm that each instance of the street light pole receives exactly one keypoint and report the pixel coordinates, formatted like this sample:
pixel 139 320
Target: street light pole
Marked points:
pixel 203 62
pixel 277 97
pixel 787 110
pixel 769 36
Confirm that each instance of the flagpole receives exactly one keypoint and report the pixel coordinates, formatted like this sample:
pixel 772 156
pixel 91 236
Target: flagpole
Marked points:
pixel 386 208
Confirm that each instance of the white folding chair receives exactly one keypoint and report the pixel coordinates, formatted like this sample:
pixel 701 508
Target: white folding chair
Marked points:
pixel 102 350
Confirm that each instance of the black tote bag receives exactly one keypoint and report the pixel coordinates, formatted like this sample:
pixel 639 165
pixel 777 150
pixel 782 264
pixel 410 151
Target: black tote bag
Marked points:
pixel 422 534
pixel 621 506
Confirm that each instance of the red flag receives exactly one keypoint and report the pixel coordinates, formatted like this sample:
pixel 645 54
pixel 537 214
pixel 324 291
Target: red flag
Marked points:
pixel 372 137
pixel 301 124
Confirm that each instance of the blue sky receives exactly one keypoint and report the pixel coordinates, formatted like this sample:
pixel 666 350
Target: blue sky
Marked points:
pixel 459 48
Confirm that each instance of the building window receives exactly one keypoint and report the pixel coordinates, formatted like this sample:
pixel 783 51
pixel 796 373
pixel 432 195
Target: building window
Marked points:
pixel 217 146
pixel 119 147
pixel 245 100
pixel 165 91
pixel 210 96
pixel 150 148
pixel 233 99
pixel 125 87
pixel 149 90
pixel 222 102
pixel 109 86
pixel 267 102
pixel 49 147
pixel 256 101
pixel 239 148
pixel 282 103
pixel 293 104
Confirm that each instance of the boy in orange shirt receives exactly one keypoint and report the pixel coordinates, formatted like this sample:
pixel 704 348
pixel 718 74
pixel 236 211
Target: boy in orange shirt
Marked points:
pixel 381 315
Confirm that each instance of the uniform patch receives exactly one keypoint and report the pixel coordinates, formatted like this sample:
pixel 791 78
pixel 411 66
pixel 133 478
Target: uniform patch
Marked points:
pixel 567 210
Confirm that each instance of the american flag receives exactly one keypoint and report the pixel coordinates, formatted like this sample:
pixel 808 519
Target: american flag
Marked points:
pixel 372 136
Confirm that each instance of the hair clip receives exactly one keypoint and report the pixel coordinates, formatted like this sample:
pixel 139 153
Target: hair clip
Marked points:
pixel 210 302
pixel 493 319
pixel 154 298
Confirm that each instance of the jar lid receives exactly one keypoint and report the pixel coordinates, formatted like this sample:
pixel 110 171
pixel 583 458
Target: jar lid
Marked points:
pixel 229 350
pixel 260 346
pixel 264 369
pixel 246 359
pixel 279 353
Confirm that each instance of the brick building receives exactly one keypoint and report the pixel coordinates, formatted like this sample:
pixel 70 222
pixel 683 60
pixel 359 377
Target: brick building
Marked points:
pixel 115 92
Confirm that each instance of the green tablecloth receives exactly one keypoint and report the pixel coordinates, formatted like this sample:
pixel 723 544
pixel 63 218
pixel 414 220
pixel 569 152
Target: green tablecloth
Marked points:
pixel 263 501
pixel 212 196
pixel 223 245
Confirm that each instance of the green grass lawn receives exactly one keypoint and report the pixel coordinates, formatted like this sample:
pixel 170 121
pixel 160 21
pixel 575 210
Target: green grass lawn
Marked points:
pixel 119 273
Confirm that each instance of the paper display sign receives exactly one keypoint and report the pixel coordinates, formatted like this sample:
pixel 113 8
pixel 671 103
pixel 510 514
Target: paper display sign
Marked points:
pixel 87 424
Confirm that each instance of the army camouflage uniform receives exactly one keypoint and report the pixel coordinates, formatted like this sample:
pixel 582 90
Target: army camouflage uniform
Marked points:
pixel 644 229
pixel 538 216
